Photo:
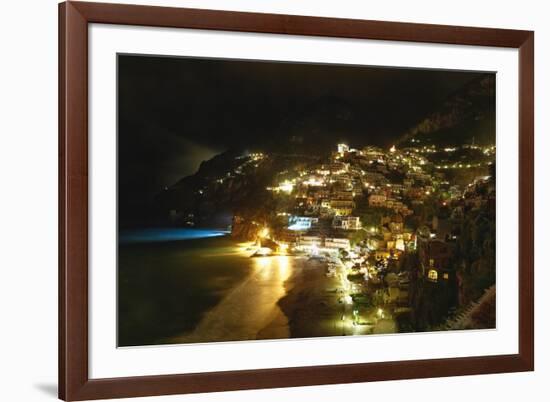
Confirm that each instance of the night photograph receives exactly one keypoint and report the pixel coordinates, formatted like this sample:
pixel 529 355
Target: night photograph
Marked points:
pixel 272 200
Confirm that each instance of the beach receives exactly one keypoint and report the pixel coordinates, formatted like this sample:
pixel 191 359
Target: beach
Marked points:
pixel 196 290
pixel 166 284
pixel 250 310
pixel 311 302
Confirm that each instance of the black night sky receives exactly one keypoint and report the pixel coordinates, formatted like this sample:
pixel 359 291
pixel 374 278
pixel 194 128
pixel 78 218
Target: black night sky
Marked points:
pixel 176 112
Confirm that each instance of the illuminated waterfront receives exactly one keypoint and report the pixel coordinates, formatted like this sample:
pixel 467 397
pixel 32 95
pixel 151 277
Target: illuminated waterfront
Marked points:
pixel 165 287
pixel 210 289
pixel 206 289
pixel 250 309
pixel 342 212
pixel 313 266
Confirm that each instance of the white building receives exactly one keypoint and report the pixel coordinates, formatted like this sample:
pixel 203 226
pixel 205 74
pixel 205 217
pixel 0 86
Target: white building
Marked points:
pixel 337 243
pixel 310 241
pixel 346 222
pixel 342 207
pixel 301 222
pixel 342 149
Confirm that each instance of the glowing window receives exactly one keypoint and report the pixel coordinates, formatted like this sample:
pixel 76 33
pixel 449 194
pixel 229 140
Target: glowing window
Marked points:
pixel 432 275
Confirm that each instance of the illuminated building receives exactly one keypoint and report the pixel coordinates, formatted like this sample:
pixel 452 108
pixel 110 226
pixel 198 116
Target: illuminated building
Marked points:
pixel 396 227
pixel 337 243
pixel 432 275
pixel 346 222
pixel 310 241
pixel 343 148
pixel 342 207
pixel 434 258
pixel 286 186
pixel 301 222
pixel 342 195
pixel 377 200
pixel 314 181
pixel 400 244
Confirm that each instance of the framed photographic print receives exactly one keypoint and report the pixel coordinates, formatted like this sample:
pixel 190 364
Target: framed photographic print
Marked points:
pixel 257 200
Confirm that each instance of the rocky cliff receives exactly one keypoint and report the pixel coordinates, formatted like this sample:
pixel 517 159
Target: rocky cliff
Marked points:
pixel 467 115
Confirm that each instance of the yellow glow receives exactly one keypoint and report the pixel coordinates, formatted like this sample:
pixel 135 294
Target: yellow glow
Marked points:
pixel 262 262
pixel 284 265
pixel 392 149
pixel 286 186
pixel 432 274
pixel 283 248
pixel 314 183
pixel 274 269
pixel 400 244
pixel 264 233
pixel 263 251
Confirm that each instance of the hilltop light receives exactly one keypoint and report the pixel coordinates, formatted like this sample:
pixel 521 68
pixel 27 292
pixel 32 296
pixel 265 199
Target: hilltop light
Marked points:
pixel 392 149
pixel 343 148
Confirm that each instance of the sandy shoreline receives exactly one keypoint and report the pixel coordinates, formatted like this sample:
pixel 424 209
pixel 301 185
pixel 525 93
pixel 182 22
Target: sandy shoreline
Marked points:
pixel 279 300
pixel 250 310
pixel 221 294
pixel 314 307
pixel 299 304
pixel 311 303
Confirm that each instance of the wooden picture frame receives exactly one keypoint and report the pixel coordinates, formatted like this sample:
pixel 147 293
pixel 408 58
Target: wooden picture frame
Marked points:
pixel 74 381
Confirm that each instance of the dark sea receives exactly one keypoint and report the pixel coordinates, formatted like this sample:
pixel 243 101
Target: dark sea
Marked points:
pixel 168 279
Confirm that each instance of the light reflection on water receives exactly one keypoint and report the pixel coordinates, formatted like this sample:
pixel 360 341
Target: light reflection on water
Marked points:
pixel 276 268
pixel 251 307
pixel 283 265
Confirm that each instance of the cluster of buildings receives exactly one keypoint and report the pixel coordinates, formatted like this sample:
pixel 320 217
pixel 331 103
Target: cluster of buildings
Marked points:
pixel 326 204
pixel 328 198
pixel 353 206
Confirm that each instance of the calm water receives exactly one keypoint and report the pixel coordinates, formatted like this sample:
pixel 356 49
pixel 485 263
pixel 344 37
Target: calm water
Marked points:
pixel 188 285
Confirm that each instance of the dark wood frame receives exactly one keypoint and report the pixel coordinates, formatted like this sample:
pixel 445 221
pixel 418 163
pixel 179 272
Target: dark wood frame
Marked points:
pixel 74 383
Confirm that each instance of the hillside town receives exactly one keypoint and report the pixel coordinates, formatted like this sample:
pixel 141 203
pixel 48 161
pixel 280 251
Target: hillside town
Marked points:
pixel 266 200
pixel 390 227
